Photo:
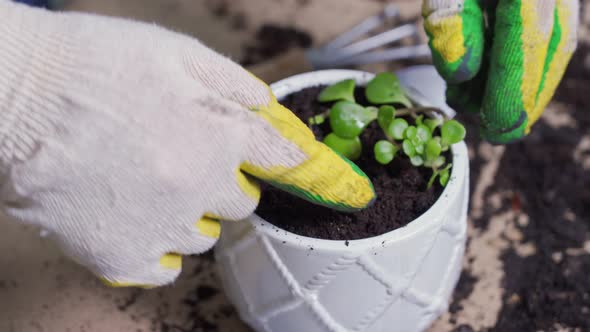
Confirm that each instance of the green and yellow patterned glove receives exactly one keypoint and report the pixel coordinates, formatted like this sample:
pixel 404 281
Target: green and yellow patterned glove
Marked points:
pixel 502 58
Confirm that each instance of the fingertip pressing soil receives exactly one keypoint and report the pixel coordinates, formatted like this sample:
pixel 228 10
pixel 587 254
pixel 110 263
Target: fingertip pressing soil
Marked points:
pixel 400 188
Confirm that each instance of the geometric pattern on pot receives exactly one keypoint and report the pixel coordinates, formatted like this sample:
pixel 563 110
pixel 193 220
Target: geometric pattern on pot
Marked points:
pixel 306 302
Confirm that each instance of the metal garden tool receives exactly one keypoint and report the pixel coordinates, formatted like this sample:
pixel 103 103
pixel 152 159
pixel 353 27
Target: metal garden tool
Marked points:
pixel 354 47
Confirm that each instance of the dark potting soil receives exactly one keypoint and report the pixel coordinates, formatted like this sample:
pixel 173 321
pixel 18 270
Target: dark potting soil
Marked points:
pixel 400 187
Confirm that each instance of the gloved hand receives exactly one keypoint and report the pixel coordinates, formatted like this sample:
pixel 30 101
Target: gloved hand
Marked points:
pixel 127 142
pixel 508 69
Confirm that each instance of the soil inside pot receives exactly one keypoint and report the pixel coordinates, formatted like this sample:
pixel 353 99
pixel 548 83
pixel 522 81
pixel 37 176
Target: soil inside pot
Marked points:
pixel 400 187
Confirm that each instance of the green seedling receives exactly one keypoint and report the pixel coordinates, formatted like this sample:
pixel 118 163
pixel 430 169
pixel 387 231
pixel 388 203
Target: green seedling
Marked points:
pixel 432 124
pixel 385 152
pixel 385 116
pixel 349 119
pixel 417 160
pixel 343 90
pixel 432 150
pixel 451 132
pixel 442 174
pixel 422 142
pixel 350 148
pixel 385 88
pixel 409 148
pixel 317 119
pixel 396 129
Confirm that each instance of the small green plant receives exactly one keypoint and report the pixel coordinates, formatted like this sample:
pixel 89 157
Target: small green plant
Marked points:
pixel 422 141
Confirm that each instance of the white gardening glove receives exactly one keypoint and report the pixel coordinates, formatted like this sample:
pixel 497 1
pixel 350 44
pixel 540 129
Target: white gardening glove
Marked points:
pixel 127 142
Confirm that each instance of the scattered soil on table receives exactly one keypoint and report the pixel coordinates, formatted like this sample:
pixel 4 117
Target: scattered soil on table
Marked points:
pixel 218 8
pixel 272 40
pixel 198 321
pixel 205 308
pixel 548 290
pixel 400 189
pixel 464 288
pixel 224 11
pixel 463 328
pixel 553 285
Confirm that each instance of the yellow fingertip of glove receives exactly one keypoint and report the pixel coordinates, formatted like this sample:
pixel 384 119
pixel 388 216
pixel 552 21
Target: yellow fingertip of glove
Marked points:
pixel 209 227
pixel 326 179
pixel 114 284
pixel 249 186
pixel 171 261
pixel 323 178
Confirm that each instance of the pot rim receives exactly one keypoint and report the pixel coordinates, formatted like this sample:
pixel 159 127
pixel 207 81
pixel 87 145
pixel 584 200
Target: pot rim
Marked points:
pixel 427 219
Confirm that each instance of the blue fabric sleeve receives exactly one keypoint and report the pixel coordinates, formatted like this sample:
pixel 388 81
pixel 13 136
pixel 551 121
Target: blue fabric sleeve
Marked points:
pixel 36 3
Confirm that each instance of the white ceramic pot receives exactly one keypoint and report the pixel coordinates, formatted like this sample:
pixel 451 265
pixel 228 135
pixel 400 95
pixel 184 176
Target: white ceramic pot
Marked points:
pixel 398 281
